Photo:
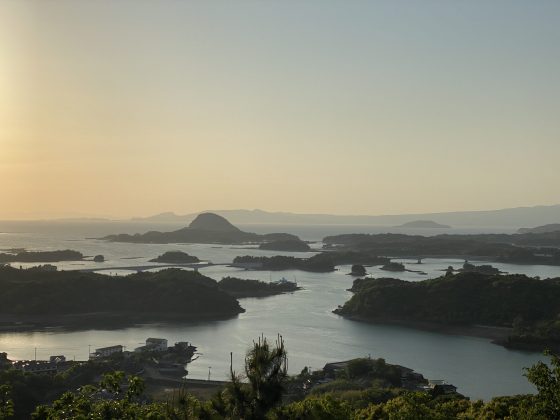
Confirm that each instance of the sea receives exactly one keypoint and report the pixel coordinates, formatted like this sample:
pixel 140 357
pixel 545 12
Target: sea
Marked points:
pixel 313 335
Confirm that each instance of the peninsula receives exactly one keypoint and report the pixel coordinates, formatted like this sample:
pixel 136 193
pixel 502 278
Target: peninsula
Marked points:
pixel 73 299
pixel 521 311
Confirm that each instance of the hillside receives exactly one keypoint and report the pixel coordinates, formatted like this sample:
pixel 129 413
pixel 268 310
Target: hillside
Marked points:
pixel 529 306
pixel 69 297
pixel 553 227
pixel 205 228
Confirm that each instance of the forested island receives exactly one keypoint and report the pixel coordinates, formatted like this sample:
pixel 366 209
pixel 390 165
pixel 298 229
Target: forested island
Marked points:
pixel 320 263
pixel 41 256
pixel 530 248
pixel 241 288
pixel 70 298
pixel 290 245
pixel 206 228
pixel 176 257
pixel 525 309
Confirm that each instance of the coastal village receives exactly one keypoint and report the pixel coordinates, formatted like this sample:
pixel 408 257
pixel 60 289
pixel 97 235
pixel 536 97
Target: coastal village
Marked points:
pixel 163 368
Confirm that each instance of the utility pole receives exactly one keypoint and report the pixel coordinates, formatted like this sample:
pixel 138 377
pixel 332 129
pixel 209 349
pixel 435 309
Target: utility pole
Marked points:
pixel 209 367
pixel 89 351
pixel 35 353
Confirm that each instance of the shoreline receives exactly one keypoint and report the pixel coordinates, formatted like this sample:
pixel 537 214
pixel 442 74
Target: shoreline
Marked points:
pixel 495 334
pixel 11 323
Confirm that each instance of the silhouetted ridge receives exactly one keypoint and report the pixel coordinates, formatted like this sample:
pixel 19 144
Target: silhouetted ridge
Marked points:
pixel 211 221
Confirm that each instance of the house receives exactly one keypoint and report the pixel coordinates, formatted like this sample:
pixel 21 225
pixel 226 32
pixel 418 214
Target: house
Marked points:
pixel 38 367
pixel 106 351
pixel 153 344
pixel 157 344
pixel 439 387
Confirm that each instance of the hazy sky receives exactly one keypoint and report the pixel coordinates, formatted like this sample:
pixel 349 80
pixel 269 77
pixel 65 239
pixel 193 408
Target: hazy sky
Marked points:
pixel 121 108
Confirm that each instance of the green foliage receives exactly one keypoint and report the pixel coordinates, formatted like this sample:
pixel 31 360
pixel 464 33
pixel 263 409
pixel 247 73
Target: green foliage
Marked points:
pixel 547 380
pixel 245 288
pixel 314 408
pixel 320 263
pixel 266 372
pixel 464 299
pixel 170 292
pixel 6 402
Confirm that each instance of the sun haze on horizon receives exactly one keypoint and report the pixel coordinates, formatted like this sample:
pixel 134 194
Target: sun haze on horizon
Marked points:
pixel 135 107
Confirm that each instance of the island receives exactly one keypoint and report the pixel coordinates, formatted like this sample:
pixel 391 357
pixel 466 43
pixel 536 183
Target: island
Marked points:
pixel 206 228
pixel 176 257
pixel 99 258
pixel 320 263
pixel 241 288
pixel 393 266
pixel 358 270
pixel 290 245
pixel 515 310
pixel 41 256
pixel 529 248
pixel 423 224
pixel 71 299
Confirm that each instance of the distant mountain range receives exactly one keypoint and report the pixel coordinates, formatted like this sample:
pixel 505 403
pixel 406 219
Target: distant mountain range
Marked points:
pixel 507 218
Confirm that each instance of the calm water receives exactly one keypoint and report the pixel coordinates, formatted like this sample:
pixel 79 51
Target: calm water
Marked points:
pixel 313 335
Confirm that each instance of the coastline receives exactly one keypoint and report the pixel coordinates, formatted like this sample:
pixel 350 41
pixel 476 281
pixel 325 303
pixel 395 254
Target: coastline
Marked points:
pixel 495 334
pixel 10 323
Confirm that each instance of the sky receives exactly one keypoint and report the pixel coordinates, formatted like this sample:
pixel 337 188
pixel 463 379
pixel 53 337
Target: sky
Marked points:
pixel 131 108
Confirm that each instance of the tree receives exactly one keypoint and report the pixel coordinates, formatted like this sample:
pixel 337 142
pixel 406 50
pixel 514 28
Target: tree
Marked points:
pixel 6 403
pixel 265 370
pixel 547 381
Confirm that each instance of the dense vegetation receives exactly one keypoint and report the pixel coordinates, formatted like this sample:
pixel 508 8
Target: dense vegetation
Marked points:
pixel 358 270
pixel 171 292
pixel 364 390
pixel 42 256
pixel 291 245
pixel 528 248
pixel 254 288
pixel 320 263
pixel 176 257
pixel 531 306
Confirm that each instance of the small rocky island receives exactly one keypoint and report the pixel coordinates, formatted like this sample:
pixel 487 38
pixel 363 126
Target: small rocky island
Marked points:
pixel 358 270
pixel 393 266
pixel 176 257
pixel 423 224
pixel 206 228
